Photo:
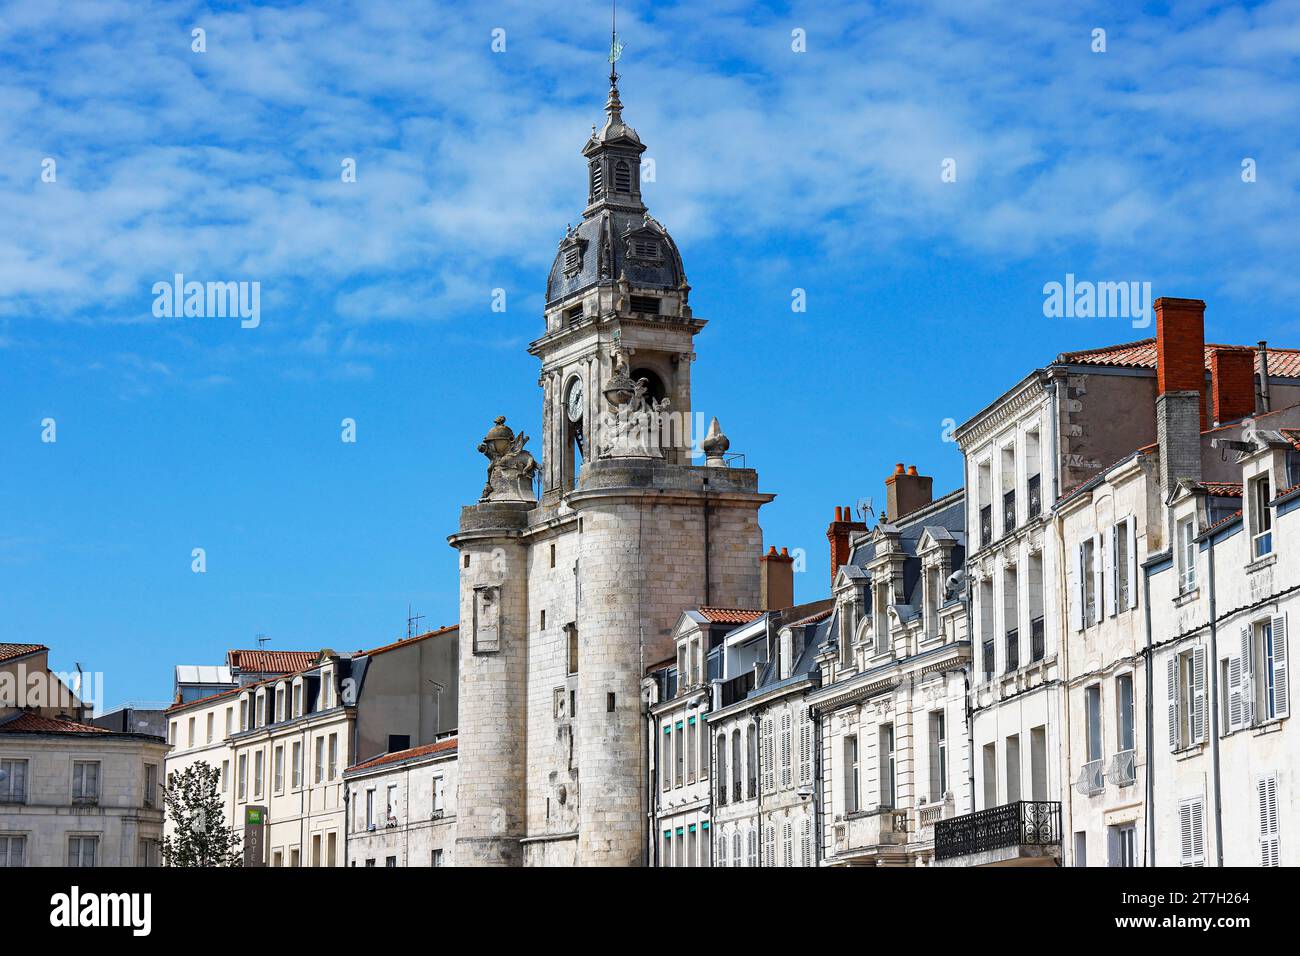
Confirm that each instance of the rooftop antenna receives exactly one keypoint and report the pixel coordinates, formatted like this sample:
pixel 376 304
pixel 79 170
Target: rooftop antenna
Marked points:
pixel 412 621
pixel 262 641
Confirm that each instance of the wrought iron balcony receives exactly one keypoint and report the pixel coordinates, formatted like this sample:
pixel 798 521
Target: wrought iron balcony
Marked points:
pixel 1012 825
pixel 1123 770
pixel 1037 644
pixel 1009 512
pixel 1035 495
pixel 986 525
pixel 1092 778
pixel 1013 649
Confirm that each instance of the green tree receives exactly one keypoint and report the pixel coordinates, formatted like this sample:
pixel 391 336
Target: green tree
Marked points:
pixel 199 834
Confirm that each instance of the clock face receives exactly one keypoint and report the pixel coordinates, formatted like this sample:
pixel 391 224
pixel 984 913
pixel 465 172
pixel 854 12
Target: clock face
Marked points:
pixel 575 401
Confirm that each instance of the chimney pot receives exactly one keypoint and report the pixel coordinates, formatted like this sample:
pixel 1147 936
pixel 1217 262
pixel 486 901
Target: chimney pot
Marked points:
pixel 898 469
pixel 911 469
pixel 905 492
pixel 839 513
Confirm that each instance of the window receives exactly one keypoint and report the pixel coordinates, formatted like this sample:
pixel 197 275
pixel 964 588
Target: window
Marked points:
pixel 241 783
pixel 1038 763
pixel 334 756
pixel 1185 537
pixel 1081 848
pixel 279 704
pixel 990 764
pixel 787 844
pixel 212 721
pixel 297 764
pixel 225 776
pixel 751 848
pixel 370 809
pixel 1191 825
pixel 1266 788
pixel 150 784
pixel 938 756
pixel 1123 565
pixel 1089 581
pixel 736 767
pixel 1262 686
pixel 243 714
pixel 851 803
pixel 666 758
pixel 735 847
pixel 722 768
pixel 190 742
pixel 690 750
pixel 805 842
pixel 297 700
pixel 622 177
pixel 82 850
pixel 597 180
pixel 171 733
pixel 542 622
pixel 148 851
pixel 319 774
pixel 721 852
pixel 12 850
pixel 390 805
pixel 295 857
pixel 787 766
pixel 767 743
pixel 1261 518
pixel 805 746
pixel 751 762
pixel 437 858
pixel 85 781
pixel 887 765
pixel 1185 677
pixel 257 773
pixel 704 753
pixel 13 781
pixel 1013 768
pixel 279 770
pixel 646 304
pixel 230 721
pixel 679 756
pixel 1092 715
pixel 573 648
pixel 439 794
pixel 1123 845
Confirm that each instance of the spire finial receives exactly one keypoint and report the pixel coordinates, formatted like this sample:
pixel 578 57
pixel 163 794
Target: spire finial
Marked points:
pixel 613 106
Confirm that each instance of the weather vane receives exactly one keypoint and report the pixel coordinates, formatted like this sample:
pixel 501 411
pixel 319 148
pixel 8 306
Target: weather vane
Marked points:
pixel 615 47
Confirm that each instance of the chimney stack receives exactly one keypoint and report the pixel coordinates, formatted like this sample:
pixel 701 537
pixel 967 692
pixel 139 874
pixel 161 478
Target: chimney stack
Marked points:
pixel 838 535
pixel 906 491
pixel 776 580
pixel 1180 375
pixel 1232 384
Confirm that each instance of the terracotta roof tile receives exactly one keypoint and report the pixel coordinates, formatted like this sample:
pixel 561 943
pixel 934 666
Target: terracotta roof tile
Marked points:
pixel 10 651
pixel 730 615
pixel 271 662
pixel 410 640
pixel 1223 489
pixel 1284 363
pixel 814 618
pixel 26 723
pixel 440 746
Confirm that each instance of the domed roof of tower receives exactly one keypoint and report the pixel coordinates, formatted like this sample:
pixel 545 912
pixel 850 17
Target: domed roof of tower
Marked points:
pixel 617 238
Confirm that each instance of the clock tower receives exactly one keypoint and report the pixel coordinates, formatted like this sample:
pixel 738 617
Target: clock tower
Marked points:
pixel 566 599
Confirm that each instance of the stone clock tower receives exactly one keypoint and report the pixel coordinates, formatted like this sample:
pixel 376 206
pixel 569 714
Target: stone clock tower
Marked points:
pixel 567 599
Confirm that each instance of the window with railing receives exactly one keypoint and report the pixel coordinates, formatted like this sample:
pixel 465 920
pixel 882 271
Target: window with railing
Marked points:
pixel 1009 512
pixel 1122 771
pixel 1092 778
pixel 1024 823
pixel 1013 649
pixel 988 659
pixel 1035 495
pixel 986 525
pixel 1037 643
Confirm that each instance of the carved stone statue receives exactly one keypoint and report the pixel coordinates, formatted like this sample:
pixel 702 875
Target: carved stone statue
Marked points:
pixel 510 467
pixel 632 426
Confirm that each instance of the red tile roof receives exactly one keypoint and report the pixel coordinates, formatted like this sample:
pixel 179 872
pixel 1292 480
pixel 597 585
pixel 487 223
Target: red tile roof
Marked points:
pixel 441 746
pixel 271 662
pixel 1223 489
pixel 1284 363
pixel 814 618
pixel 410 640
pixel 730 615
pixel 26 723
pixel 10 651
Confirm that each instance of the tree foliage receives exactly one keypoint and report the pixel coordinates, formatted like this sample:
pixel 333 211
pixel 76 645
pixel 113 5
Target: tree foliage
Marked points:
pixel 199 835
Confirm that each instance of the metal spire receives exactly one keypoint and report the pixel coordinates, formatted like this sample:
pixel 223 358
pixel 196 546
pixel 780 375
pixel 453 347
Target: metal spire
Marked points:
pixel 613 106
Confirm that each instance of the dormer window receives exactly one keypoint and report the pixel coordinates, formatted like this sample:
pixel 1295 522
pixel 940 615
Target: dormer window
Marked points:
pixel 572 259
pixel 1186 543
pixel 622 177
pixel 1261 519
pixel 645 248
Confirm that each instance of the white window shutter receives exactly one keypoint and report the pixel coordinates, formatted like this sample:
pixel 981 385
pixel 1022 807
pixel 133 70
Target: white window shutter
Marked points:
pixel 1131 530
pixel 1198 695
pixel 1076 606
pixel 1173 702
pixel 1279 665
pixel 1185 833
pixel 1098 578
pixel 1247 677
pixel 1111 575
pixel 1234 694
pixel 1268 821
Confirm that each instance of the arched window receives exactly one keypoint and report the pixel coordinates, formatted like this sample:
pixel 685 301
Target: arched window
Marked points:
pixel 751 749
pixel 735 847
pixel 722 768
pixel 597 180
pixel 736 793
pixel 622 177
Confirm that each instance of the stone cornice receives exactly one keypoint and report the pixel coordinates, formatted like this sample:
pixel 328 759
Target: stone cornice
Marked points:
pixel 1002 412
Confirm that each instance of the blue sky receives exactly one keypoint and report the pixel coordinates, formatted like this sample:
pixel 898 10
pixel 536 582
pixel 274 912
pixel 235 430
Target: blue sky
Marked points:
pixel 775 170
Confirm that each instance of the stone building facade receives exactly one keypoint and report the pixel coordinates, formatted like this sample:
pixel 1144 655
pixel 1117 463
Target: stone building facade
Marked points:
pixel 566 599
pixel 402 807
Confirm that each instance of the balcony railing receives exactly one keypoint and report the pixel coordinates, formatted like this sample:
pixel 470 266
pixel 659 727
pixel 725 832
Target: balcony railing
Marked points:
pixel 736 794
pixel 1035 496
pixel 1122 770
pixel 1024 823
pixel 1037 645
pixel 1008 512
pixel 986 525
pixel 736 688
pixel 1013 649
pixel 1092 778
pixel 752 788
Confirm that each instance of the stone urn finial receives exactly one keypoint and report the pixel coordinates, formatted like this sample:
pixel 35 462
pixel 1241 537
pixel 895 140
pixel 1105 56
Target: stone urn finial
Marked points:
pixel 510 467
pixel 715 446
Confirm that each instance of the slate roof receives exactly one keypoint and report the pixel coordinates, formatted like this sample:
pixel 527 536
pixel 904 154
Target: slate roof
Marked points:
pixel 949 519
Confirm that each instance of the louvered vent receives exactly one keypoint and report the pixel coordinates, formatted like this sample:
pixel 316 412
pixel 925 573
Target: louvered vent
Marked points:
pixel 647 304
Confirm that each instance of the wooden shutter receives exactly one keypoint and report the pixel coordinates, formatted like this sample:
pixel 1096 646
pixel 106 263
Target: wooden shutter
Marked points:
pixel 1247 683
pixel 1173 701
pixel 1098 578
pixel 1111 570
pixel 1268 822
pixel 1198 695
pixel 1279 666
pixel 805 746
pixel 1076 606
pixel 1191 820
pixel 1131 530
pixel 1234 694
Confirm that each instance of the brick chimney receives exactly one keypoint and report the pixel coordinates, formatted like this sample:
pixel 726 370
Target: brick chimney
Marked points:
pixel 776 580
pixel 1181 400
pixel 1232 384
pixel 838 535
pixel 1180 348
pixel 906 491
